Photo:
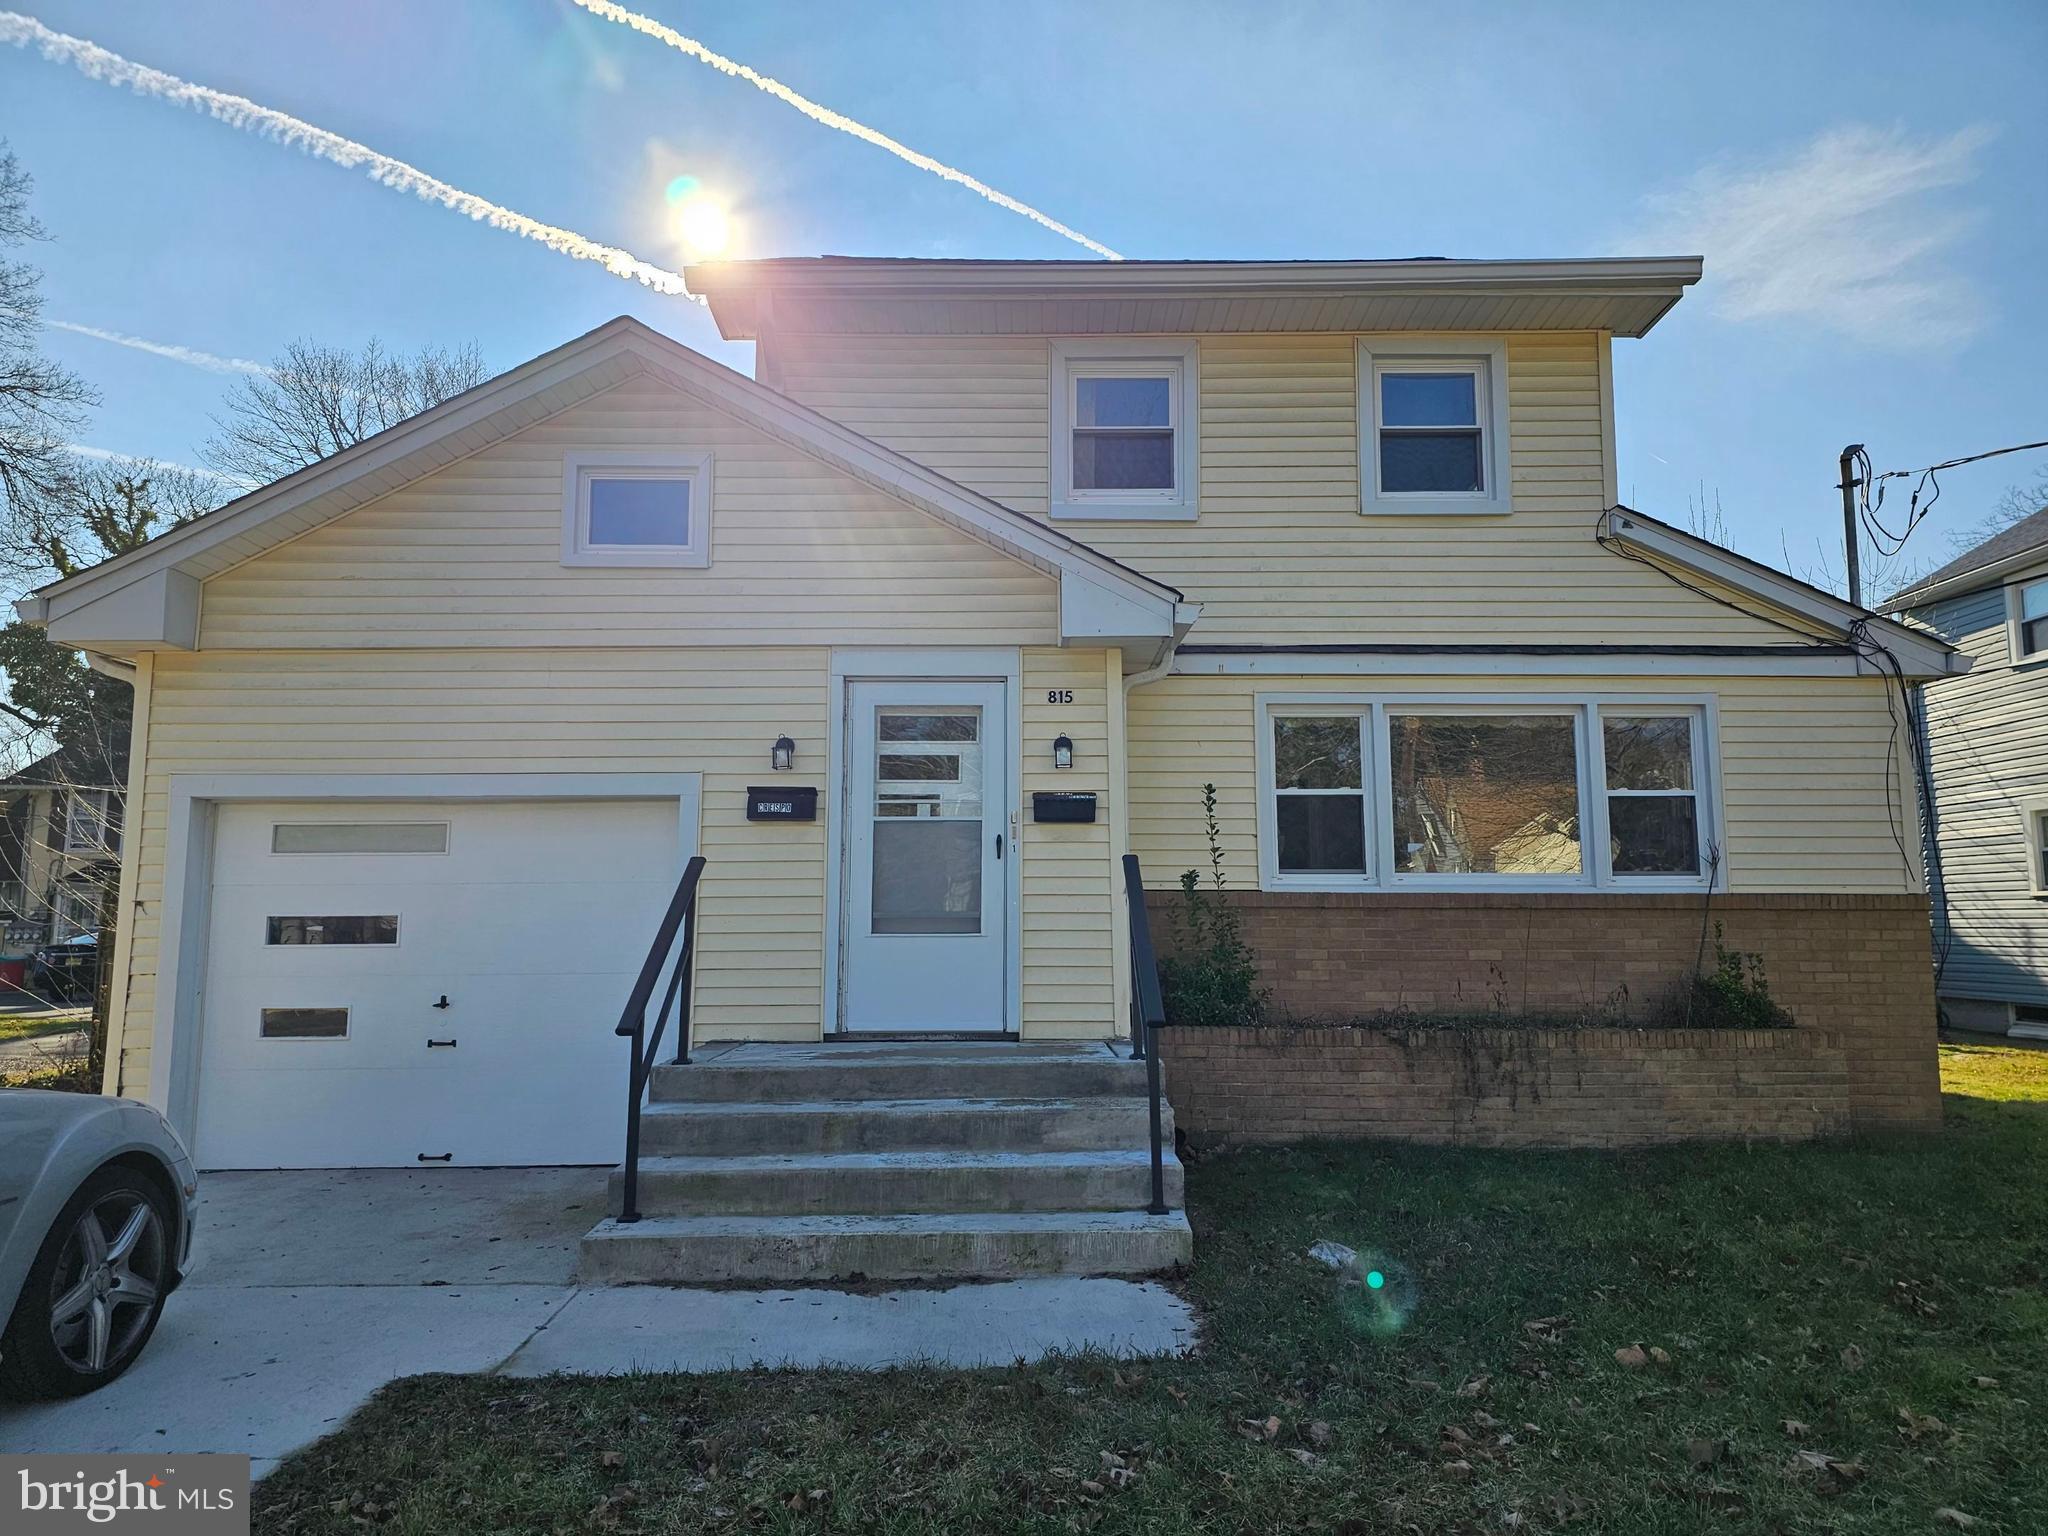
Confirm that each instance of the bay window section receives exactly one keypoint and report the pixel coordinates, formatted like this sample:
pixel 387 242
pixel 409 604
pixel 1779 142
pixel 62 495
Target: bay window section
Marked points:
pixel 1553 792
pixel 1485 794
pixel 1653 814
pixel 1319 793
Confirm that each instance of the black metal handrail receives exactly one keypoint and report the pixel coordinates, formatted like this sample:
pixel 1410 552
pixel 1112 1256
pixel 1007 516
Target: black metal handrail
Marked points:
pixel 1148 1016
pixel 681 918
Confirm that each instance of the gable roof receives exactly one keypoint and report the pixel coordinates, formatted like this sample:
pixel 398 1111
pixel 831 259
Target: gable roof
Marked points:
pixel 1980 565
pixel 1918 653
pixel 148 598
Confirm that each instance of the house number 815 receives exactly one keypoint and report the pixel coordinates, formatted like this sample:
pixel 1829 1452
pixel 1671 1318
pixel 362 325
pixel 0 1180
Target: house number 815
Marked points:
pixel 1059 695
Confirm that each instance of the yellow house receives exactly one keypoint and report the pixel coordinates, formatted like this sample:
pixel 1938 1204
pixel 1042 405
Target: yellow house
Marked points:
pixel 968 593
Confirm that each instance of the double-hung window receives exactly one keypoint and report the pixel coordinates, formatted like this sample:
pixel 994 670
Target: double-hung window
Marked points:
pixel 2027 620
pixel 636 509
pixel 89 822
pixel 1361 793
pixel 1432 422
pixel 2035 819
pixel 1123 430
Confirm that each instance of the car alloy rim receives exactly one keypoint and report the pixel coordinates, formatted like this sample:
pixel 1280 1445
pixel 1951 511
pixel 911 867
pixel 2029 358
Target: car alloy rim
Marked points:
pixel 106 1282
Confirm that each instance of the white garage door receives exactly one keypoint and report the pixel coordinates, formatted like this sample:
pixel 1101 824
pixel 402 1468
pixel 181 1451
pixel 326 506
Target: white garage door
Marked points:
pixel 338 932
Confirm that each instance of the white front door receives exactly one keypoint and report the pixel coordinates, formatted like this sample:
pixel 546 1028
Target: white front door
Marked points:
pixel 391 985
pixel 927 832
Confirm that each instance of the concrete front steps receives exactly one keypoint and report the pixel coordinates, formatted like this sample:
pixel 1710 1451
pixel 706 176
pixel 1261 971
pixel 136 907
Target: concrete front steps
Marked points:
pixel 894 1161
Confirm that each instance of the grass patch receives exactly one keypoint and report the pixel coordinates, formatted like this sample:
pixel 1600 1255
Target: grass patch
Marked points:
pixel 61 1077
pixel 18 1028
pixel 1840 1338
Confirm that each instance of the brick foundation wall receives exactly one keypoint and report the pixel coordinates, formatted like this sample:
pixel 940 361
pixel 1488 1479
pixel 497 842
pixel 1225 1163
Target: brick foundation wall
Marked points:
pixel 1507 1088
pixel 1854 969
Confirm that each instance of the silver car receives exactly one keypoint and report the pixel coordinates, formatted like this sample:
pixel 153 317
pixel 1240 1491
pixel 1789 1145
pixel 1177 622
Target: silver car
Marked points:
pixel 97 1197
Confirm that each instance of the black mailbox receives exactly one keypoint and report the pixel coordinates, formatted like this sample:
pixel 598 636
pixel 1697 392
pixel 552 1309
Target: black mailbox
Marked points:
pixel 782 802
pixel 1063 805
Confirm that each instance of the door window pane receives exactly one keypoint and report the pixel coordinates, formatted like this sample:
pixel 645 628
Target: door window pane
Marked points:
pixel 1322 833
pixel 942 777
pixel 359 837
pixel 304 1024
pixel 1485 794
pixel 330 930
pixel 927 876
pixel 963 727
pixel 1316 753
pixel 927 765
pixel 638 511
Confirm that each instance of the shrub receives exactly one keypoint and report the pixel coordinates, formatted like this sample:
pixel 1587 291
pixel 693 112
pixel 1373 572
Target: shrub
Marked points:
pixel 1733 995
pixel 1212 977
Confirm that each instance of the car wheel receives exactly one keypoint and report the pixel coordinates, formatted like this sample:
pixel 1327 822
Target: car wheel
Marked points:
pixel 95 1291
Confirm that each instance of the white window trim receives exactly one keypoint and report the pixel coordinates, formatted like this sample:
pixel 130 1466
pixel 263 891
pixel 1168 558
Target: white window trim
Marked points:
pixel 2012 621
pixel 1585 709
pixel 102 802
pixel 1178 359
pixel 1379 354
pixel 579 469
pixel 2034 833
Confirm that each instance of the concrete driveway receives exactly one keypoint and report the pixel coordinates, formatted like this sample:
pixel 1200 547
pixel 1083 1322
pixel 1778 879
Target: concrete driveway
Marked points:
pixel 311 1290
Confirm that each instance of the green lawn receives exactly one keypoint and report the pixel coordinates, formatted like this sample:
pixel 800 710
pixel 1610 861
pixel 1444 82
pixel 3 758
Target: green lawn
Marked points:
pixel 16 1027
pixel 1834 1339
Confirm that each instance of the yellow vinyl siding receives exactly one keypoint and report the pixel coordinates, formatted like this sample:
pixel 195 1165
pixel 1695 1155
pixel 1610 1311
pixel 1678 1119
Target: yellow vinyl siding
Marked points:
pixel 760 961
pixel 1803 770
pixel 1069 871
pixel 471 556
pixel 1280 552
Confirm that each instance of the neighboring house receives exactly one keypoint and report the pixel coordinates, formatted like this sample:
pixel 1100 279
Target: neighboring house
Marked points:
pixel 1987 745
pixel 437 720
pixel 60 847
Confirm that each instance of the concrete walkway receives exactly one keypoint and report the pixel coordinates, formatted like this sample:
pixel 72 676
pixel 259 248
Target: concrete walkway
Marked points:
pixel 312 1290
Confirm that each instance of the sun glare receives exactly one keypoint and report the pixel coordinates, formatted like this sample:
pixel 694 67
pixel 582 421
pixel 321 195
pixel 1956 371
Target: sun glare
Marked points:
pixel 702 226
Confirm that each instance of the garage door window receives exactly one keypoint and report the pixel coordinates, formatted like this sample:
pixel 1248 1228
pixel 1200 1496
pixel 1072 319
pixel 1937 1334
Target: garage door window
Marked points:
pixel 330 930
pixel 359 837
pixel 305 1024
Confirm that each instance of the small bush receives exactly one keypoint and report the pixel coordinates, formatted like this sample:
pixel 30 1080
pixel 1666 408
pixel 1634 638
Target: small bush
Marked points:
pixel 1212 977
pixel 1733 995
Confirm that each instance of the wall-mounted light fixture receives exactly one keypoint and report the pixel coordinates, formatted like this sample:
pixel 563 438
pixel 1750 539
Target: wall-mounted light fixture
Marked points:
pixel 782 755
pixel 1063 751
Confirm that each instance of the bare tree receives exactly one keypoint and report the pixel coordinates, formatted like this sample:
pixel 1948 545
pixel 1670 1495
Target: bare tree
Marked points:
pixel 98 509
pixel 2016 502
pixel 41 403
pixel 318 400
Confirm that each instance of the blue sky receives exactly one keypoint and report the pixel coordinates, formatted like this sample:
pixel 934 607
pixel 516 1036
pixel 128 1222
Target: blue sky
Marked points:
pixel 1865 180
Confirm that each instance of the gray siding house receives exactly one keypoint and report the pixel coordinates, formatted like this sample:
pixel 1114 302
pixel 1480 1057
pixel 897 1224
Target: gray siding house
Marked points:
pixel 1987 736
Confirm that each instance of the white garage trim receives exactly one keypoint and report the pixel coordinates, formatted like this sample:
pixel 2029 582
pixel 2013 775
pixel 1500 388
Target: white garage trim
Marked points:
pixel 188 875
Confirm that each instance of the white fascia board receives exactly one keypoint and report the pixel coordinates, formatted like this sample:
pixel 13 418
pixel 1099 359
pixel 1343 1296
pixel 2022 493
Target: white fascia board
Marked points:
pixel 1506 664
pixel 1919 655
pixel 159 610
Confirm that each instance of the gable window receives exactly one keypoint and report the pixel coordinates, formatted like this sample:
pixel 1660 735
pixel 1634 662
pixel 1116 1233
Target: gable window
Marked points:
pixel 636 509
pixel 1543 793
pixel 1123 430
pixel 2027 614
pixel 88 822
pixel 1432 424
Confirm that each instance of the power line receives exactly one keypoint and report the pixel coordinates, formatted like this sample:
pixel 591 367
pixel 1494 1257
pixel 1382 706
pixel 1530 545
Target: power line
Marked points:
pixel 1888 541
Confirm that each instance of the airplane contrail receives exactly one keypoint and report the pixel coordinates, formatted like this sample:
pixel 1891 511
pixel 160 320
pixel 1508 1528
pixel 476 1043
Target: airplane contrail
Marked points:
pixel 97 63
pixel 108 456
pixel 648 26
pixel 211 362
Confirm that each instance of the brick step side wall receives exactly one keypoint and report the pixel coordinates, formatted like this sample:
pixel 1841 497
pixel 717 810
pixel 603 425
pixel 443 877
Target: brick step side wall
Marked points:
pixel 1853 967
pixel 1506 1088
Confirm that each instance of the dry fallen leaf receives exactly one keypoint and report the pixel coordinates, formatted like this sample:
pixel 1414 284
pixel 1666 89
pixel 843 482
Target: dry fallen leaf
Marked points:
pixel 1306 1458
pixel 1795 1429
pixel 1458 1468
pixel 1983 1383
pixel 1548 1329
pixel 612 1459
pixel 1659 1355
pixel 1954 1517
pixel 1177 1395
pixel 1705 1453
pixel 1632 1357
pixel 1093 1489
pixel 1319 1434
pixel 1473 1386
pixel 1852 1358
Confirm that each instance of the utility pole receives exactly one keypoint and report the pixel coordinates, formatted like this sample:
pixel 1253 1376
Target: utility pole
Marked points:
pixel 1849 538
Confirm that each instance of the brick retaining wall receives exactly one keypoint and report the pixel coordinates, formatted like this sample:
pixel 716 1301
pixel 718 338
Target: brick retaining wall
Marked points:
pixel 1852 967
pixel 1504 1088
